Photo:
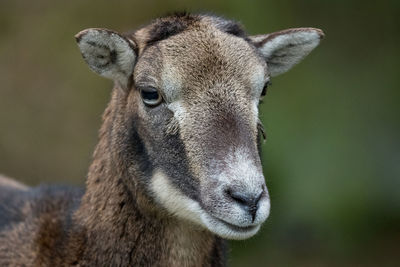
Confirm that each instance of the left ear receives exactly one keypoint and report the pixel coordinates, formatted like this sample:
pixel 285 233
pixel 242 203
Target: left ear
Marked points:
pixel 284 49
pixel 108 53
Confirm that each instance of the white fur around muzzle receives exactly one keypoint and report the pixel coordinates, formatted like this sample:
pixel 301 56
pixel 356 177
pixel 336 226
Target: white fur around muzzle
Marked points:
pixel 178 204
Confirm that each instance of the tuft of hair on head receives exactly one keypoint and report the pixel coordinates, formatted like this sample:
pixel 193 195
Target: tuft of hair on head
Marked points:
pixel 165 27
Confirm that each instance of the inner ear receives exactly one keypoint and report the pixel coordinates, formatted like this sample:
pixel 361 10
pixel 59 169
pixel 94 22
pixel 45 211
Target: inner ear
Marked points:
pixel 108 53
pixel 282 50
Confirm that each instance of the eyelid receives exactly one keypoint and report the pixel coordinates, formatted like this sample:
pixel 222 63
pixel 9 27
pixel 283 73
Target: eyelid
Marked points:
pixel 267 82
pixel 144 85
pixel 151 91
pixel 265 88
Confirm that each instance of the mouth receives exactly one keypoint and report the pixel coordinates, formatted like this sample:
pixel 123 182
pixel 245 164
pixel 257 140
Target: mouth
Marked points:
pixel 236 227
pixel 228 230
pixel 186 208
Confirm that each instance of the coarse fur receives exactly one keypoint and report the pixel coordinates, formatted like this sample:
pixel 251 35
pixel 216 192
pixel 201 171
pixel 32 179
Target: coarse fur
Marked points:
pixel 170 182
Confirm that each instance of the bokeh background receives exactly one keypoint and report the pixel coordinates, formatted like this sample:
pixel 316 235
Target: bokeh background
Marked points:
pixel 332 158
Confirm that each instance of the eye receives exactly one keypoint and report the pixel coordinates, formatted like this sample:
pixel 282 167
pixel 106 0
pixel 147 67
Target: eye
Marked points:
pixel 264 91
pixel 150 96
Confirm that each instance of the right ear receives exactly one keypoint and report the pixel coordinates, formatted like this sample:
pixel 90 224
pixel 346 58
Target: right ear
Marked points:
pixel 108 53
pixel 284 49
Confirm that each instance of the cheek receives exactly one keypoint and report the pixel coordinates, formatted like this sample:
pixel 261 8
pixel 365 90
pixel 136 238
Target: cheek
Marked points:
pixel 167 151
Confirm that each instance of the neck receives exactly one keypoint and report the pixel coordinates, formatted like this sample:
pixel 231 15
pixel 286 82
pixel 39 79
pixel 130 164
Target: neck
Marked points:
pixel 119 224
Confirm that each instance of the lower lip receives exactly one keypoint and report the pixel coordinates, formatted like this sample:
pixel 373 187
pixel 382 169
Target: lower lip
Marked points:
pixel 235 227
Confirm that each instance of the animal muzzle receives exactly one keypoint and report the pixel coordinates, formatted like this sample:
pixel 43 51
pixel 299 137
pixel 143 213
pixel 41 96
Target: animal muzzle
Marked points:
pixel 235 197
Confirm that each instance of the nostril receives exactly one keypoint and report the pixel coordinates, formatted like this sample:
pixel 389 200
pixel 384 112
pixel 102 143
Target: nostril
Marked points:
pixel 240 197
pixel 249 202
pixel 243 198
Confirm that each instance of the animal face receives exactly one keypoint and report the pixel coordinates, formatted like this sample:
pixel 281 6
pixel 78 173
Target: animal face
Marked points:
pixel 193 84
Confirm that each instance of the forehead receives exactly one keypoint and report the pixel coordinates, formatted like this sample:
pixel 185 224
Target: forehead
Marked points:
pixel 201 58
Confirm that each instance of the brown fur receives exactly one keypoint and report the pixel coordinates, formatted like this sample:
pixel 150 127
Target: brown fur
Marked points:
pixel 217 74
pixel 114 224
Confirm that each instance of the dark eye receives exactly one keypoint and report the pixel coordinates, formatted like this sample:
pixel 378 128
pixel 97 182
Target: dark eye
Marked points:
pixel 264 91
pixel 150 96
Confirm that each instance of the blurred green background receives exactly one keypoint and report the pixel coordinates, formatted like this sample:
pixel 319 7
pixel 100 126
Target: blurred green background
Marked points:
pixel 332 159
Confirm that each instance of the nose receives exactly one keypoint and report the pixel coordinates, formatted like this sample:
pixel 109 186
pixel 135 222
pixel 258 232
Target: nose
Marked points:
pixel 246 200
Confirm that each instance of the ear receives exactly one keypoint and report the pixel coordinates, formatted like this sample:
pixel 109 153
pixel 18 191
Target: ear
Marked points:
pixel 108 53
pixel 282 50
